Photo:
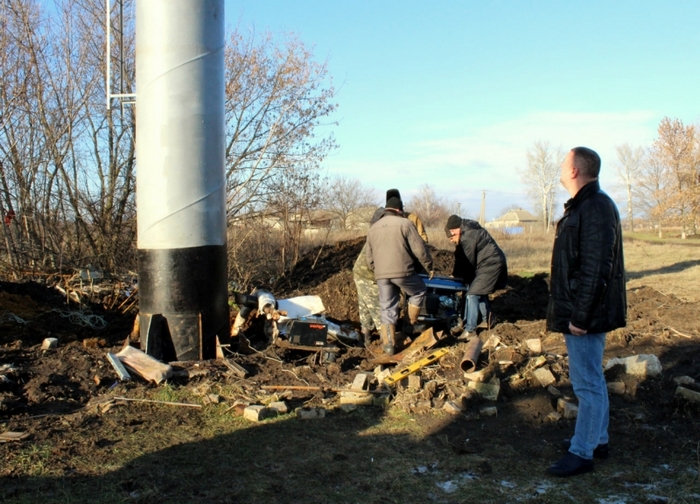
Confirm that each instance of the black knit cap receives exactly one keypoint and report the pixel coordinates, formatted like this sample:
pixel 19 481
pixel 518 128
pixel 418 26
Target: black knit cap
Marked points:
pixel 394 203
pixel 453 222
pixel 393 193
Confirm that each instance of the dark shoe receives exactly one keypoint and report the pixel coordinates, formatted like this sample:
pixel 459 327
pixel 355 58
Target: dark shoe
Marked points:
pixel 570 465
pixel 601 451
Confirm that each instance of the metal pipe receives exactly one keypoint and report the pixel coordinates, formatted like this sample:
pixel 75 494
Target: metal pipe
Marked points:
pixel 180 189
pixel 471 355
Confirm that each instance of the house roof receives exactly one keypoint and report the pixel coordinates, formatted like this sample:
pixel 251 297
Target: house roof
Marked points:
pixel 518 215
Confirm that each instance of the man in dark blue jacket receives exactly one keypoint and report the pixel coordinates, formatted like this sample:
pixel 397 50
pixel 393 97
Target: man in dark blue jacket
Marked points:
pixel 587 299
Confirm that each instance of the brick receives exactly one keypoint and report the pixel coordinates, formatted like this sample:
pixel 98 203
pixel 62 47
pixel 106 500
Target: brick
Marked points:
pixel 257 413
pixel 360 382
pixel 534 345
pixel 310 413
pixel 544 376
pixel 279 406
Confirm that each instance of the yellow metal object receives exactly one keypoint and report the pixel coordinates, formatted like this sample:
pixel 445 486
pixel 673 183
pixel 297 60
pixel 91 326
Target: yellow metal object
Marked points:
pixel 416 366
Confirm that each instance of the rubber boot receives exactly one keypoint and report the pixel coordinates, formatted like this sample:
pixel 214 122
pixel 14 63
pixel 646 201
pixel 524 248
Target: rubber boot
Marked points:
pixel 388 338
pixel 413 312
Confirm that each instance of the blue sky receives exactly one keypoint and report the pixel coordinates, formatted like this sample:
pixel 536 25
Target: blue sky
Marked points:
pixel 453 93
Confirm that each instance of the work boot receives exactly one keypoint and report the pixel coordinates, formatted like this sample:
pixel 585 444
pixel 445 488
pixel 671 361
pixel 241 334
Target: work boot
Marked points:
pixel 388 338
pixel 413 312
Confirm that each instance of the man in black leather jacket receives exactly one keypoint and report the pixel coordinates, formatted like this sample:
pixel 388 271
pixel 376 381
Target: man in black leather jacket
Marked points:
pixel 587 299
pixel 481 264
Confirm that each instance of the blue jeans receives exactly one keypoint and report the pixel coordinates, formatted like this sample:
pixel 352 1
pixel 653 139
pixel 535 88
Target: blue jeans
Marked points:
pixel 476 305
pixel 586 373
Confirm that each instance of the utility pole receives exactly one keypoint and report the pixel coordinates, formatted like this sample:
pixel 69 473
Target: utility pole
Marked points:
pixel 180 186
pixel 482 214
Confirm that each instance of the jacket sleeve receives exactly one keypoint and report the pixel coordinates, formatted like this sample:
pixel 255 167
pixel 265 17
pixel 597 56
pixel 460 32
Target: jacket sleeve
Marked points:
pixel 419 226
pixel 418 247
pixel 597 237
pixel 368 254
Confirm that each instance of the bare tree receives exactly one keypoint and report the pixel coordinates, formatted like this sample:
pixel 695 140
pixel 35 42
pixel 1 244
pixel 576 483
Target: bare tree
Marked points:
pixel 276 98
pixel 541 176
pixel 67 164
pixel 295 198
pixel 676 152
pixel 345 196
pixel 655 190
pixel 432 209
pixel 629 169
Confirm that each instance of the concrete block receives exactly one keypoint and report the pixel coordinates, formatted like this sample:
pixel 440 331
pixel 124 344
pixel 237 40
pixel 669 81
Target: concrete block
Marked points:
pixel 49 343
pixel 357 398
pixel 257 413
pixel 412 383
pixel 683 380
pixel 477 376
pixel 689 395
pixel 534 345
pixel 347 408
pixel 544 376
pixel 487 411
pixel 488 390
pixel 616 388
pixel 279 406
pixel 569 410
pixel 452 408
pixel 360 382
pixel 554 416
pixel 638 365
pixel 492 342
pixel 310 413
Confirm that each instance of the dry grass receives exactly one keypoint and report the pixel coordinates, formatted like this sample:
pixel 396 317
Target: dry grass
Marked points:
pixel 671 266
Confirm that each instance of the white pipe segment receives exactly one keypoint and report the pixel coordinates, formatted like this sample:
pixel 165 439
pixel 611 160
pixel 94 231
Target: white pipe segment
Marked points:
pixel 180 135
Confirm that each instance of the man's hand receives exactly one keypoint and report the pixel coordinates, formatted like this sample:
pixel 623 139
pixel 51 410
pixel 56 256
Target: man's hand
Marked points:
pixel 576 331
pixel 432 274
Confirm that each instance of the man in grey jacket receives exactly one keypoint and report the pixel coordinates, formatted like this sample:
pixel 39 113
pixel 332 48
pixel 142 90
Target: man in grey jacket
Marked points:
pixel 393 244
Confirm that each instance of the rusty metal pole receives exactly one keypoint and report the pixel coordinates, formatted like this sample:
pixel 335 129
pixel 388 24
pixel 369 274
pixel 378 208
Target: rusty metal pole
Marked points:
pixel 180 189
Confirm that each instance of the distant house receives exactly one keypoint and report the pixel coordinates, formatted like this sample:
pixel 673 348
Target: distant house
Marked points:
pixel 311 222
pixel 514 221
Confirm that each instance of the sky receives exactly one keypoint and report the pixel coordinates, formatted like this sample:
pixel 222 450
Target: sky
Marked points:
pixel 453 93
